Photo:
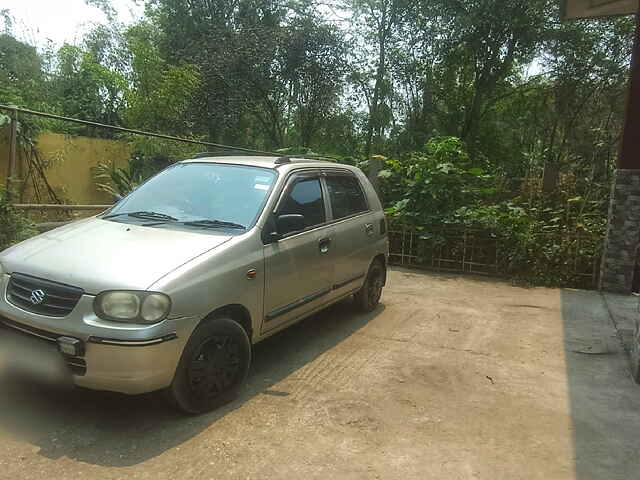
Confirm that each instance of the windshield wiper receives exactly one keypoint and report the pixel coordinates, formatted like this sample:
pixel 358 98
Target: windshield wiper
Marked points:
pixel 213 224
pixel 144 215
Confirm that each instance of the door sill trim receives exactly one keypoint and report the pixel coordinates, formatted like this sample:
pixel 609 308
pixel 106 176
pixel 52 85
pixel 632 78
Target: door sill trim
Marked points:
pixel 347 282
pixel 297 304
pixel 282 326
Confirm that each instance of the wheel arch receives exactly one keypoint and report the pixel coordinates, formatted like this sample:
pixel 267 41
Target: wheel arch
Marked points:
pixel 381 257
pixel 236 312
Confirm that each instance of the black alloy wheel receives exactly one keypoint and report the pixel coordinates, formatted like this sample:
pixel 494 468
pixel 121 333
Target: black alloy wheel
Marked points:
pixel 368 297
pixel 213 367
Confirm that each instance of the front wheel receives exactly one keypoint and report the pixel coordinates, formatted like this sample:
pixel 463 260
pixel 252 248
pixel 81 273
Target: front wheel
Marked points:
pixel 368 297
pixel 213 367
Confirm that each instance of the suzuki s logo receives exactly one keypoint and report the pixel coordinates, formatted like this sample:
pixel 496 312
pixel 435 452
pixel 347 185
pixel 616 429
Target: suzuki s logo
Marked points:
pixel 37 296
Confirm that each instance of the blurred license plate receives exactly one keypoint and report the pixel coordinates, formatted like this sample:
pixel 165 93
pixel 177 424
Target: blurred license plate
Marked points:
pixel 25 356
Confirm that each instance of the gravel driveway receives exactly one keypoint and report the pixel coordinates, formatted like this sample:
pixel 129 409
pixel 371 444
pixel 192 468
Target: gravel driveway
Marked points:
pixel 452 377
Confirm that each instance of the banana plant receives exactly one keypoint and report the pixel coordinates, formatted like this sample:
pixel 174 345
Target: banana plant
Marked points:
pixel 116 181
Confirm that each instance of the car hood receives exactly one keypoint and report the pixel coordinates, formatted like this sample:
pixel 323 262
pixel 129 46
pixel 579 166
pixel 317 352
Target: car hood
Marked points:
pixel 97 255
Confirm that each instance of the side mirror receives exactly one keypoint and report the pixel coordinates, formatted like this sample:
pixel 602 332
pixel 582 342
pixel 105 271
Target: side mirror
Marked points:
pixel 289 223
pixel 117 197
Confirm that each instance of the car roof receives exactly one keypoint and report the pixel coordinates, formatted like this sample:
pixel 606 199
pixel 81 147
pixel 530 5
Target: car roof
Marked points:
pixel 283 163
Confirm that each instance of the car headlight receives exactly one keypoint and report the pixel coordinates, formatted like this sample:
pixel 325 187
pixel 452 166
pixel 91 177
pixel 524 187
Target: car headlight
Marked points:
pixel 132 307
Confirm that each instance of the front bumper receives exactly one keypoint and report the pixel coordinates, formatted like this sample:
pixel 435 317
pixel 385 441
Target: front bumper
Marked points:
pixel 118 357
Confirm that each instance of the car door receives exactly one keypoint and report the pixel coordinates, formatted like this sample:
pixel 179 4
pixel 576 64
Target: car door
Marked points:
pixel 298 268
pixel 353 230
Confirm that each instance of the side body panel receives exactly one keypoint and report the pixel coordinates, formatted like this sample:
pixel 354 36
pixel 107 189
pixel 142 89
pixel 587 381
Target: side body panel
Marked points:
pixel 379 242
pixel 219 278
pixel 354 240
pixel 352 250
pixel 298 277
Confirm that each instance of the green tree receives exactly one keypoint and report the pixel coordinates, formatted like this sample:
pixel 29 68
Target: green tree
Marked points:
pixel 233 43
pixel 159 95
pixel 378 23
pixel 314 69
pixel 86 89
pixel 22 80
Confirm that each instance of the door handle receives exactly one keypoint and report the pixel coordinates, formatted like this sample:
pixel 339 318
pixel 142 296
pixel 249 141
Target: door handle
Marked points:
pixel 323 245
pixel 368 227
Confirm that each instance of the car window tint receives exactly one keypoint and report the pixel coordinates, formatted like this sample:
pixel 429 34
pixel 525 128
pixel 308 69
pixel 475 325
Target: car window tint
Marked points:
pixel 305 199
pixel 346 196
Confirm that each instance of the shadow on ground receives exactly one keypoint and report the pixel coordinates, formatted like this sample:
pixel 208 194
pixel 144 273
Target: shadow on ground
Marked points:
pixel 604 401
pixel 110 429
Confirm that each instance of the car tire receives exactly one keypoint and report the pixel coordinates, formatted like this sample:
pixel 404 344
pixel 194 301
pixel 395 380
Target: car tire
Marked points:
pixel 368 297
pixel 213 367
pixel 634 354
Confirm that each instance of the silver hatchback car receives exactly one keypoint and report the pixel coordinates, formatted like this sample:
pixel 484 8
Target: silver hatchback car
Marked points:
pixel 169 288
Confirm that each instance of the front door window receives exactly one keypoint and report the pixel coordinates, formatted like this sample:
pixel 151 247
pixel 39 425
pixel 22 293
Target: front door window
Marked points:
pixel 305 199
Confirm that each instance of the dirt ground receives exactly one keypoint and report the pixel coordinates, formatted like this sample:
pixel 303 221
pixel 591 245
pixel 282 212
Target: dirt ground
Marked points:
pixel 451 378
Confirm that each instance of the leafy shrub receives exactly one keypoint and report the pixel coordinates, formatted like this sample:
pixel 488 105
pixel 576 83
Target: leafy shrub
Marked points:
pixel 431 185
pixel 437 193
pixel 14 227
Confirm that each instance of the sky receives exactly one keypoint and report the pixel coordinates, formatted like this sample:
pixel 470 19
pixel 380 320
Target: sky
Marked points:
pixel 60 21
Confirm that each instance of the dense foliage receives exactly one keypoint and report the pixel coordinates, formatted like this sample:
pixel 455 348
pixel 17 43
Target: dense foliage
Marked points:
pixel 490 113
pixel 15 227
pixel 555 242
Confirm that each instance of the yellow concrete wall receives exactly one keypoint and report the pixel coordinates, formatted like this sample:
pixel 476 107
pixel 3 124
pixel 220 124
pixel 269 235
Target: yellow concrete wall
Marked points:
pixel 70 160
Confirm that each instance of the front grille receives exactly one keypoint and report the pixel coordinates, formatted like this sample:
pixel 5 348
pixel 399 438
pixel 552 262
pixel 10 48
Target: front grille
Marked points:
pixel 77 365
pixel 58 300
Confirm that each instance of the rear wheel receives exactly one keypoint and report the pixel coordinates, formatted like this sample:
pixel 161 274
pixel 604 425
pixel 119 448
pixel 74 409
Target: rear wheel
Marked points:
pixel 213 367
pixel 368 297
pixel 635 354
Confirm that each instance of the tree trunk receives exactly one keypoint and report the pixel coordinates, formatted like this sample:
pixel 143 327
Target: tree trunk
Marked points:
pixel 427 107
pixel 550 178
pixel 494 71
pixel 374 121
pixel 375 165
pixel 473 117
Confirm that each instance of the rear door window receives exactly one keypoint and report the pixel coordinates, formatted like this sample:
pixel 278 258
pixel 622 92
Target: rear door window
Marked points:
pixel 346 196
pixel 305 198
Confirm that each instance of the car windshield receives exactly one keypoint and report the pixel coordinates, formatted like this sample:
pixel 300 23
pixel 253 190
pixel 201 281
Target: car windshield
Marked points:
pixel 212 195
